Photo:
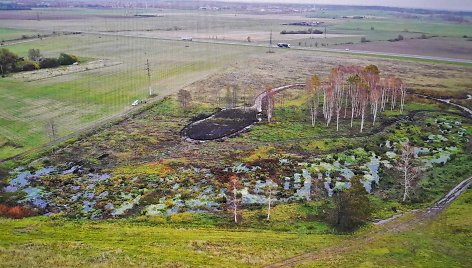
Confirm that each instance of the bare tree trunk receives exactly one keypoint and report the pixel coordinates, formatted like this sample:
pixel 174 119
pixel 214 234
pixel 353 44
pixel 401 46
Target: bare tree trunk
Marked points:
pixel 313 116
pixel 235 206
pixel 394 99
pixel 352 115
pixel 362 117
pixel 337 120
pixel 345 105
pixel 406 182
pixel 402 100
pixel 269 203
pixel 375 109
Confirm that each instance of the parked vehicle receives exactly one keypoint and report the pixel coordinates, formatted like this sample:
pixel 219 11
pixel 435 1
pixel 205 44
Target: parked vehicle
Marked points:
pixel 285 45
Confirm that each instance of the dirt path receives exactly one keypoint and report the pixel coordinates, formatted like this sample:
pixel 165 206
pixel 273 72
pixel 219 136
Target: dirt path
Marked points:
pixel 393 225
pixel 446 101
pixel 259 98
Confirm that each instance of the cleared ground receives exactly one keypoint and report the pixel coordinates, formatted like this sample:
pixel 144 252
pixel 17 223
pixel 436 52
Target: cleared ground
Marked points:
pixel 449 48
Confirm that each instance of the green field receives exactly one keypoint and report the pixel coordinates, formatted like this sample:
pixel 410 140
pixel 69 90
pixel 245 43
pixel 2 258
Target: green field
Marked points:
pixel 46 242
pixel 10 34
pixel 77 100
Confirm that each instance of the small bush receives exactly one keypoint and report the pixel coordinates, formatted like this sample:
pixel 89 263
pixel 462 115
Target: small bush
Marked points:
pixel 30 66
pixel 184 217
pixel 16 212
pixel 49 63
pixel 67 59
pixel 157 219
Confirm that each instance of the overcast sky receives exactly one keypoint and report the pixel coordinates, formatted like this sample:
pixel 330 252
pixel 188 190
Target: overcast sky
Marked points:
pixel 464 5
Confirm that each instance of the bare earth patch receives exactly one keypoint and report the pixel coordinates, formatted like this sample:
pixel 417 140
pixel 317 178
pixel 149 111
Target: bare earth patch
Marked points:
pixel 222 124
pixel 438 47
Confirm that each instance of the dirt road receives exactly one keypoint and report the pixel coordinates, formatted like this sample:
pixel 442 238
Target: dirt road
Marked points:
pixel 335 50
pixel 258 99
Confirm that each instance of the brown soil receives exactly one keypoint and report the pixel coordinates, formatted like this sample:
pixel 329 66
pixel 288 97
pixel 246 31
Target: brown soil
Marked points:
pixel 220 125
pixel 437 47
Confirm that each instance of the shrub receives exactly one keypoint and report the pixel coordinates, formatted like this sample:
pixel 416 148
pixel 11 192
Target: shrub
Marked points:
pixel 350 208
pixel 49 63
pixel 8 61
pixel 30 66
pixel 184 217
pixel 16 212
pixel 67 59
pixel 34 54
pixel 159 219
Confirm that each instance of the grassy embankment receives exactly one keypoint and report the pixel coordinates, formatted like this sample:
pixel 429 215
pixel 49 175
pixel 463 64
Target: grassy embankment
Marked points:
pixel 49 242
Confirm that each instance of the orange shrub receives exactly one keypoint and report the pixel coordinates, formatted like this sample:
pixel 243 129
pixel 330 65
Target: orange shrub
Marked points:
pixel 16 212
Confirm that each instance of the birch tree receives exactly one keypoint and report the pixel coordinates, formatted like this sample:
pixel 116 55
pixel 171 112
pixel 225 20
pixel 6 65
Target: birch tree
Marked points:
pixel 371 75
pixel 407 165
pixel 337 85
pixel 270 190
pixel 234 185
pixel 312 87
pixel 402 90
pixel 363 100
pixel 353 82
pixel 270 99
pixel 374 97
pixel 184 98
pixel 328 102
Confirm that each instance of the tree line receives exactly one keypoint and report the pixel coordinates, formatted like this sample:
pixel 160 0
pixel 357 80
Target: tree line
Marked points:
pixel 11 62
pixel 353 91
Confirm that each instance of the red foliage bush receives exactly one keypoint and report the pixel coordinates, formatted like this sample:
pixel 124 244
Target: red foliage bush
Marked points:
pixel 16 212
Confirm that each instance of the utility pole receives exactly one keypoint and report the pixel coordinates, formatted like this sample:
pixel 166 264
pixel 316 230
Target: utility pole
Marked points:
pixel 270 42
pixel 149 77
pixel 325 32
